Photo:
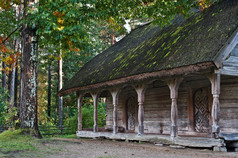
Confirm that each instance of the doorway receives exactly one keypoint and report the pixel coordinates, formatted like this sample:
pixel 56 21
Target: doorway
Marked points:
pixel 201 110
pixel 130 109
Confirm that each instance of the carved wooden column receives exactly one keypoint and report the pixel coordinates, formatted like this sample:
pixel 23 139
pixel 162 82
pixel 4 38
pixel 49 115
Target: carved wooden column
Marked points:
pixel 79 112
pixel 140 90
pixel 174 86
pixel 95 104
pixel 215 83
pixel 115 94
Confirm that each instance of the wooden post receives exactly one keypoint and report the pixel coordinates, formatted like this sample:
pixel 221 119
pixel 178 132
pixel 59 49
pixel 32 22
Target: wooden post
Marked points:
pixel 174 86
pixel 79 112
pixel 215 85
pixel 140 90
pixel 115 94
pixel 95 104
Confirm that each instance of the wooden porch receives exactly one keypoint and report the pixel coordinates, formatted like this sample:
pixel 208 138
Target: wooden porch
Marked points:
pixel 198 142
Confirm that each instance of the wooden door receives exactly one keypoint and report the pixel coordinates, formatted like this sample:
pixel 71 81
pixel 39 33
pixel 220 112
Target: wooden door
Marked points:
pixel 130 106
pixel 201 110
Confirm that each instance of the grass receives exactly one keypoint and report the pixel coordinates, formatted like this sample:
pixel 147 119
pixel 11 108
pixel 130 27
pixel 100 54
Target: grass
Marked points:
pixel 14 140
pixel 67 136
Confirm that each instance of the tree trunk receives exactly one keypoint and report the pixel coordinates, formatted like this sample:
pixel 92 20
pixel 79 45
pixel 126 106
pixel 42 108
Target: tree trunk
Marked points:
pixel 12 81
pixel 9 78
pixel 15 87
pixel 112 38
pixel 4 84
pixel 49 90
pixel 56 104
pixel 28 91
pixel 60 98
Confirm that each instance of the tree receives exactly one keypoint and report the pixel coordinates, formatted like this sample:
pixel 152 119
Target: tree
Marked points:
pixel 28 89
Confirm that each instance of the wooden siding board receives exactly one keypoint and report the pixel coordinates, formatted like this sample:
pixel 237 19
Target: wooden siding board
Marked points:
pixel 229 105
pixel 234 52
pixel 230 65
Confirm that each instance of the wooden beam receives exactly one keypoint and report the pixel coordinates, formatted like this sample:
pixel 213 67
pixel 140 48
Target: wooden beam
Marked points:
pixel 190 110
pixel 174 86
pixel 140 90
pixel 115 94
pixel 215 82
pixel 79 112
pixel 95 118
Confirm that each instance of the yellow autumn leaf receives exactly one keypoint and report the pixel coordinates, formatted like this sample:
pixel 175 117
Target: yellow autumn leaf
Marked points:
pixel 57 58
pixel 60 28
pixel 60 20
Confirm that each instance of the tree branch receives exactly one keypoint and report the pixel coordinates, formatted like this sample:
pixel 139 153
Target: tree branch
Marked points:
pixel 3 42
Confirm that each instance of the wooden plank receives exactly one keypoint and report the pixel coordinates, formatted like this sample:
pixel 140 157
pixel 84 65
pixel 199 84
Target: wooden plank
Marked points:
pixel 229 130
pixel 229 70
pixel 230 64
pixel 232 104
pixel 234 52
pixel 231 59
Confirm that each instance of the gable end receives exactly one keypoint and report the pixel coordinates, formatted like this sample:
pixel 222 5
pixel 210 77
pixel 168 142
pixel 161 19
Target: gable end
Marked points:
pixel 230 63
pixel 225 52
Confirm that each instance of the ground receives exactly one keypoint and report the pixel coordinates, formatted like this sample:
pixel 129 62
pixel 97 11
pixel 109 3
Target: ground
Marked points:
pixel 100 148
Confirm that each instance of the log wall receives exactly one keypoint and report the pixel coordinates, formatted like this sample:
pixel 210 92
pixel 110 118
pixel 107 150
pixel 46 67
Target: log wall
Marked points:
pixel 157 106
pixel 229 105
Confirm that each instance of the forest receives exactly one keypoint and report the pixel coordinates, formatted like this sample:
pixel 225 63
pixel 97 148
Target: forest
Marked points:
pixel 43 43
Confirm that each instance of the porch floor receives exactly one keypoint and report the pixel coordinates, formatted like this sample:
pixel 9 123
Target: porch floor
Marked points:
pixel 199 142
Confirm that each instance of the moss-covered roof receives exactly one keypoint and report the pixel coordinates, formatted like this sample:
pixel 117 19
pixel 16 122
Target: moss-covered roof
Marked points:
pixel 150 49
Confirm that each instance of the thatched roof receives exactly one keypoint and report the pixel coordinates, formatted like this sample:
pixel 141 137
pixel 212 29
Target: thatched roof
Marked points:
pixel 148 49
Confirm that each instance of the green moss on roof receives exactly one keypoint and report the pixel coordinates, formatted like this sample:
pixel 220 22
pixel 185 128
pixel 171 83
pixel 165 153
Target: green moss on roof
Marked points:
pixel 149 48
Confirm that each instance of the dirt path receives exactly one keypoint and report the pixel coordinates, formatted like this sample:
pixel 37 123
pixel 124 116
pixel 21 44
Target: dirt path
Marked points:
pixel 89 148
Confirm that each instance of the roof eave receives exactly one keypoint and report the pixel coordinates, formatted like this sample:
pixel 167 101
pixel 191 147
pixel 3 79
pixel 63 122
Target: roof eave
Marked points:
pixel 179 71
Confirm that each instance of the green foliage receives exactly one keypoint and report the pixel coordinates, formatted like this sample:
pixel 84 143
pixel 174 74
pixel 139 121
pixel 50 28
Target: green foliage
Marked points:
pixel 7 115
pixel 3 105
pixel 14 140
pixel 10 117
pixel 87 116
pixel 8 22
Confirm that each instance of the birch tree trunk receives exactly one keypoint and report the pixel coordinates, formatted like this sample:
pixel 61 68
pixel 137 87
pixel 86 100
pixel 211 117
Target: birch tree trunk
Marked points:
pixel 28 88
pixel 12 81
pixel 60 98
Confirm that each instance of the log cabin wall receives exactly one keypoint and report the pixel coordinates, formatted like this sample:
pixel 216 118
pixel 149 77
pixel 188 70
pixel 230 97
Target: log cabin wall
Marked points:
pixel 124 95
pixel 157 106
pixel 229 105
pixel 157 109
pixel 109 111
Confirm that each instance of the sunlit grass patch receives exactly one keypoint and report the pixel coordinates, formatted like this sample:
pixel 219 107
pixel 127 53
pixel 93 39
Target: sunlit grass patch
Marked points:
pixel 14 140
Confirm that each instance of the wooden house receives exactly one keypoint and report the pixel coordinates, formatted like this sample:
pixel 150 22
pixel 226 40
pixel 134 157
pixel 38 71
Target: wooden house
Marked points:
pixel 181 80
